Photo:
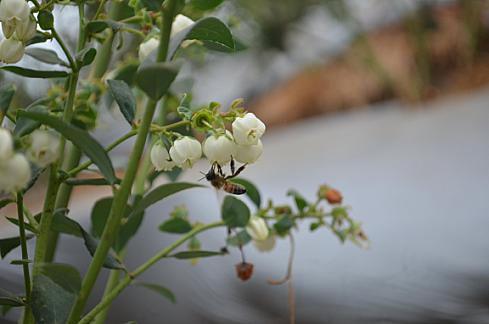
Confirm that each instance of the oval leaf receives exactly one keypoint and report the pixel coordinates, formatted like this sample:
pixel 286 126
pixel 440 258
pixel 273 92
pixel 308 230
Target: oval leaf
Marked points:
pixel 163 291
pixel 81 139
pixel 25 126
pixel 300 201
pixel 45 55
pixel 155 78
pixel 86 56
pixel 195 254
pixel 8 244
pixel 160 193
pixel 35 74
pixel 111 261
pixel 251 190
pixel 124 97
pixel 235 213
pixel 176 226
pixel 6 94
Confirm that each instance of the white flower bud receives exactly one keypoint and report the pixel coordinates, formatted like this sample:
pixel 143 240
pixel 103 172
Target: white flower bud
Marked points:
pixel 15 173
pixel 26 29
pixel 160 158
pixel 13 12
pixel 147 47
pixel 180 23
pixel 220 148
pixel 257 228
pixel 265 245
pixel 248 153
pixel 6 146
pixel 248 130
pixel 186 151
pixel 44 148
pixel 11 50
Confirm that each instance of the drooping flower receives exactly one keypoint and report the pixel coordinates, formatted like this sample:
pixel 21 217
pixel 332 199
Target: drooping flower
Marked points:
pixel 12 13
pixel 11 50
pixel 26 29
pixel 44 148
pixel 160 158
pixel 15 173
pixel 180 23
pixel 220 148
pixel 248 153
pixel 147 47
pixel 257 228
pixel 248 130
pixel 6 145
pixel 265 245
pixel 186 151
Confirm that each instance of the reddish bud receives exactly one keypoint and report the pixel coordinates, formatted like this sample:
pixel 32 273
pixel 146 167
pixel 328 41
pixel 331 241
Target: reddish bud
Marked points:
pixel 333 196
pixel 244 270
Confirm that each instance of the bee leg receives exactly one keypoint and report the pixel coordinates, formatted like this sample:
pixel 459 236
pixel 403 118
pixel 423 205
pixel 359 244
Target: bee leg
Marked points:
pixel 220 170
pixel 240 169
pixel 232 165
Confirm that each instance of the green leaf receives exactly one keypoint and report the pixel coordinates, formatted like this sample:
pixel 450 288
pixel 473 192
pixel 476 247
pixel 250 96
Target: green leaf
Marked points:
pixel 35 74
pixel 163 291
pixel 45 55
pixel 8 244
pixel 111 261
pixel 45 20
pixel 251 190
pixel 6 95
pixel 38 38
pixel 35 174
pixel 25 126
pixel 81 139
pixel 54 291
pixel 89 182
pixel 300 201
pixel 63 224
pixel 205 4
pixel 27 226
pixel 5 202
pixel 155 78
pixel 11 301
pixel 194 254
pixel 234 212
pixel 212 32
pixel 176 226
pixel 97 26
pixel 161 192
pixel 86 56
pixel 240 239
pixel 152 5
pixel 20 262
pixel 124 97
pixel 284 225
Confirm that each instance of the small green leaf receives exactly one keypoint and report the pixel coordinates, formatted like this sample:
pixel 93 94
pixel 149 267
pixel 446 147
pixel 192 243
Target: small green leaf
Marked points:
pixel 89 182
pixel 284 224
pixel 8 244
pixel 54 291
pixel 5 202
pixel 212 32
pixel 205 4
pixel 160 193
pixel 251 190
pixel 45 20
pixel 11 301
pixel 81 139
pixel 35 74
pixel 25 126
pixel 155 78
pixel 124 97
pixel 176 226
pixel 234 212
pixel 300 201
pixel 20 262
pixel 27 226
pixel 194 254
pixel 86 56
pixel 63 224
pixel 152 5
pixel 163 291
pixel 240 239
pixel 97 26
pixel 45 55
pixel 111 261
pixel 6 95
pixel 38 38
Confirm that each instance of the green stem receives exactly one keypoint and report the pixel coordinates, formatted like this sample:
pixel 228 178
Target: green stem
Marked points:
pixel 25 256
pixel 106 301
pixel 99 9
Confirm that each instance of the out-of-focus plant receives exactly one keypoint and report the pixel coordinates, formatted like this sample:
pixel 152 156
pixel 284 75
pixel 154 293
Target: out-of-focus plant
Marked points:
pixel 52 134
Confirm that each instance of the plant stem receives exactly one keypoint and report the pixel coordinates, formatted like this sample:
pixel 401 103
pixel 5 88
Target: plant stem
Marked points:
pixel 25 256
pixel 145 266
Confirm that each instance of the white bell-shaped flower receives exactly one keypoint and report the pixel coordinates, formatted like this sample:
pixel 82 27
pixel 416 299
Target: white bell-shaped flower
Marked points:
pixel 186 151
pixel 248 130
pixel 257 228
pixel 248 153
pixel 147 47
pixel 180 23
pixel 160 158
pixel 44 148
pixel 15 173
pixel 265 245
pixel 11 50
pixel 6 146
pixel 220 148
pixel 13 12
pixel 26 29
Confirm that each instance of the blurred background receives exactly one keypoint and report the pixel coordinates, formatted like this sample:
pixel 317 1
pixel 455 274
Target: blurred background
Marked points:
pixel 386 100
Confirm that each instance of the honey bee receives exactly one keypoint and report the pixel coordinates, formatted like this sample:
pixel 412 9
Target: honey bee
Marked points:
pixel 220 181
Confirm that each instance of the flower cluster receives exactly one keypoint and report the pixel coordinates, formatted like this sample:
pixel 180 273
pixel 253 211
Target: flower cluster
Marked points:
pixel 18 26
pixel 15 171
pixel 242 144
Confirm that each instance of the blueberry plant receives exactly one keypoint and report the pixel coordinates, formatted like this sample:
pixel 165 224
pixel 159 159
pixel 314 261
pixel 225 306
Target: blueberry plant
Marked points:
pixel 52 136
